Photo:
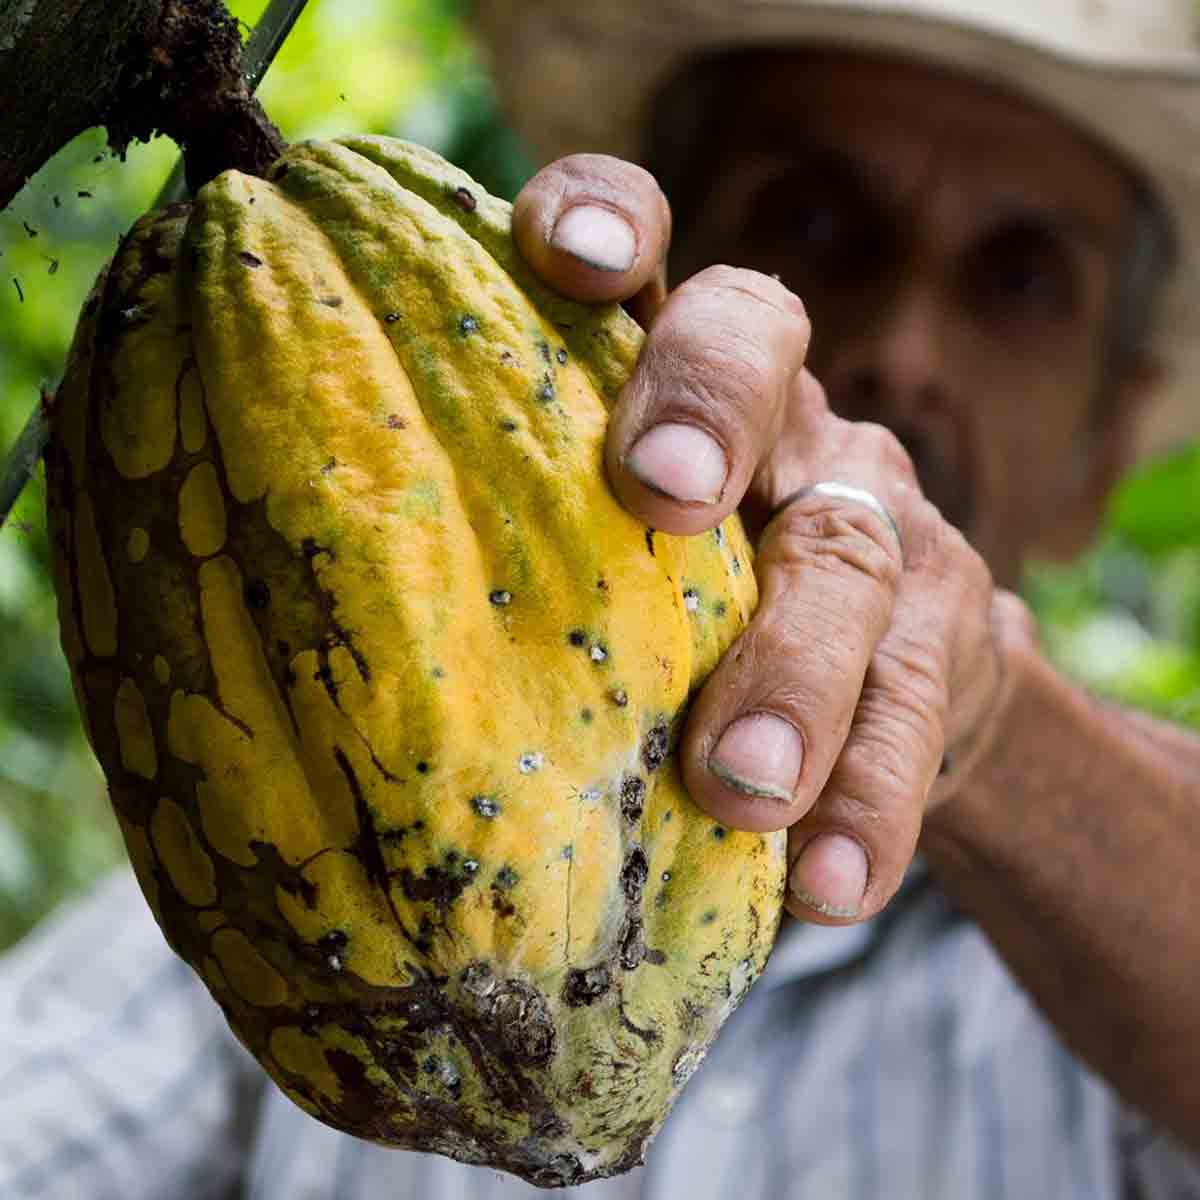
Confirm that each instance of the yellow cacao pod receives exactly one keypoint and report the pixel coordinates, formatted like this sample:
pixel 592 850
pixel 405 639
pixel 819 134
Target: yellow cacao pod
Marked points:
pixel 384 681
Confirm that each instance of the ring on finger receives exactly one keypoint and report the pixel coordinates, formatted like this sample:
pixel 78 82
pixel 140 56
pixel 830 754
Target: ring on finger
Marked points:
pixel 844 491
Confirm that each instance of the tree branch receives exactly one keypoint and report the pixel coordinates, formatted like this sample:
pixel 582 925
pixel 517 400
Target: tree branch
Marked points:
pixel 139 67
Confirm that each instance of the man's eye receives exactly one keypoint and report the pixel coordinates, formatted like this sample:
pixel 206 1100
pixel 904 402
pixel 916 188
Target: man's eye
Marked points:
pixel 1022 273
pixel 813 231
pixel 793 211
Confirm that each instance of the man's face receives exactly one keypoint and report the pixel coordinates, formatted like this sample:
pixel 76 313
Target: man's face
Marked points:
pixel 956 250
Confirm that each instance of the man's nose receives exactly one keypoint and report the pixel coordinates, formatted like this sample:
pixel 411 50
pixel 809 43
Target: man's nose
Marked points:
pixel 889 363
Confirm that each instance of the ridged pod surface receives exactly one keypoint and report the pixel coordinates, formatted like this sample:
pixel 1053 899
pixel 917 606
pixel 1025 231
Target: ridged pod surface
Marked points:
pixel 385 683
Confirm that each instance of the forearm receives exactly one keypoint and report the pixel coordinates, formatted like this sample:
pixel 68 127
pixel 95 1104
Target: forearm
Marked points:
pixel 1075 843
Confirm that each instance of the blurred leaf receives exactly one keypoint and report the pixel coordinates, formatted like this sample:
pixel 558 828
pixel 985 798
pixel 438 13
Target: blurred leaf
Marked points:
pixel 1158 509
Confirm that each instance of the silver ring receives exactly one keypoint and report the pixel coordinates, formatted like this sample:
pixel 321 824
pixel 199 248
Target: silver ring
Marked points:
pixel 843 491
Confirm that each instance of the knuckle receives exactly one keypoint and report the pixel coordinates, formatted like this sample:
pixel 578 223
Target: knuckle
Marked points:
pixel 746 286
pixel 840 536
pixel 883 447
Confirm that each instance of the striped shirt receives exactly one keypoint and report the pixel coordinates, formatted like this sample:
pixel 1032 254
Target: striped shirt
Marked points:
pixel 892 1060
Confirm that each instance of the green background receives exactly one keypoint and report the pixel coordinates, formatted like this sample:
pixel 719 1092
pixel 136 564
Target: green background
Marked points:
pixel 1126 620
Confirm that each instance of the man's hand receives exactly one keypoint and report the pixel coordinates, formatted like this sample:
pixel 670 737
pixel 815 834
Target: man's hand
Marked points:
pixel 872 657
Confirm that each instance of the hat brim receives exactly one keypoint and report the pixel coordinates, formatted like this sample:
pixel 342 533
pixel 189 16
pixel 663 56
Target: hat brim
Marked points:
pixel 582 77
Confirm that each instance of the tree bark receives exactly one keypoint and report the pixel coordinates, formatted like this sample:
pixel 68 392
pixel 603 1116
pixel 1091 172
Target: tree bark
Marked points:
pixel 138 67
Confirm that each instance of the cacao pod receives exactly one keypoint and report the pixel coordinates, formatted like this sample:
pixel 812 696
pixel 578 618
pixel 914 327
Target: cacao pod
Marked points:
pixel 384 681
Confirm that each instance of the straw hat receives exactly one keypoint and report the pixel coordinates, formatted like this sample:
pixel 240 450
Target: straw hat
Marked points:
pixel 579 75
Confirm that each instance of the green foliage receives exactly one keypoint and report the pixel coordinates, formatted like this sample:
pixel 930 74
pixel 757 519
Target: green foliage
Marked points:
pixel 1126 620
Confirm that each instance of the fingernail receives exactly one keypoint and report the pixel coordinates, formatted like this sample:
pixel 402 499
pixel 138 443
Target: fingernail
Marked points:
pixel 759 755
pixel 830 875
pixel 680 462
pixel 596 236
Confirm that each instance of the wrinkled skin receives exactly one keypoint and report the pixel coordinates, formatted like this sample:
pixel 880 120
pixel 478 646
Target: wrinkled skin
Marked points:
pixel 944 258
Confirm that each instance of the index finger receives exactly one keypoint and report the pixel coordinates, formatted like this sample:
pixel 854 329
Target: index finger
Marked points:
pixel 596 228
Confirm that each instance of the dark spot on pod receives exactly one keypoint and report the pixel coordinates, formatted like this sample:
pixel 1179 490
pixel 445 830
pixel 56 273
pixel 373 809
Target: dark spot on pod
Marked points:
pixel 561 355
pixel 249 260
pixel 602 584
pixel 633 875
pixel 586 986
pixel 438 673
pixel 577 637
pixel 257 594
pixel 522 1016
pixel 452 856
pixel 434 885
pixel 619 697
pixel 485 806
pixel 736 565
pixel 464 199
pixel 310 549
pixel 633 797
pixel 719 536
pixel 395 421
pixel 708 917
pixel 477 979
pixel 720 608
pixel 468 324
pixel 544 351
pixel 657 957
pixel 508 426
pixel 391 318
pixel 294 884
pixel 547 1125
pixel 135 314
pixel 500 597
pixel 633 945
pixel 418 824
pixel 719 832
pixel 546 392
pixel 331 945
pixel 650 541
pixel 423 767
pixel 562 1170
pixel 332 301
pixel 506 878
pixel 328 466
pixel 655 746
